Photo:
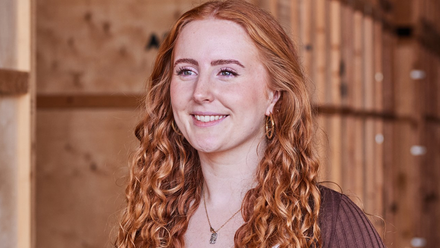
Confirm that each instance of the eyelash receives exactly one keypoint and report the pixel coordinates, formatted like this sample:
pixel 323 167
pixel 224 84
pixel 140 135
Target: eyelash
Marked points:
pixel 232 72
pixel 181 70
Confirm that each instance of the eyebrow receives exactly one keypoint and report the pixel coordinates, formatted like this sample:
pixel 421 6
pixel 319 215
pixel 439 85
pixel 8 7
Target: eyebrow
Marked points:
pixel 226 61
pixel 213 63
pixel 189 61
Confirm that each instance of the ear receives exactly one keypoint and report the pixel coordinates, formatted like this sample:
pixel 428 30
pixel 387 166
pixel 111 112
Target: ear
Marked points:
pixel 273 98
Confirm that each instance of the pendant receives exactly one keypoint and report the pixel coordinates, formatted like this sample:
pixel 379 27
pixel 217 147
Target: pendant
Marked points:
pixel 213 238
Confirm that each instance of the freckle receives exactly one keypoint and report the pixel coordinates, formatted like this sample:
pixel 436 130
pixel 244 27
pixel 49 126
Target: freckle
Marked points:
pixel 93 167
pixel 106 27
pixel 88 16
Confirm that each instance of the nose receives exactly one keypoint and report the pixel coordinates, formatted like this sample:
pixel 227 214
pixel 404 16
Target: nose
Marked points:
pixel 203 90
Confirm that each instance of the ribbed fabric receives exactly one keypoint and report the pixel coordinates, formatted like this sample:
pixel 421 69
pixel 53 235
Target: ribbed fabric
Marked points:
pixel 343 224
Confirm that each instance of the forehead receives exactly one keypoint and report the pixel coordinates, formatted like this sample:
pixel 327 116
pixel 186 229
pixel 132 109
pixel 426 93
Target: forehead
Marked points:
pixel 215 37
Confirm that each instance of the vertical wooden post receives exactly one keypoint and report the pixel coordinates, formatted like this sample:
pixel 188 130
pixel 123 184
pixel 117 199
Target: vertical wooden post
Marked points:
pixel 16 126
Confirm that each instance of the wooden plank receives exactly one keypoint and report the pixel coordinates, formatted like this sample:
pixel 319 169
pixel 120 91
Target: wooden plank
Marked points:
pixel 358 162
pixel 306 35
pixel 322 146
pixel 273 5
pixel 334 84
pixel 358 60
pixel 353 171
pixel 88 101
pixel 389 189
pixel 295 23
pixel 286 17
pixel 368 63
pixel 389 41
pixel 406 185
pixel 8 171
pixel 370 168
pixel 320 50
pixel 437 80
pixel 346 111
pixel 13 82
pixel 378 66
pixel 379 176
pixel 431 186
pixel 345 147
pixel 404 87
pixel 335 149
pixel 347 70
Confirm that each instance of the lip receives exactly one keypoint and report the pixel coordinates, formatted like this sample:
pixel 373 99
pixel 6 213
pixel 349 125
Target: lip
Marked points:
pixel 207 119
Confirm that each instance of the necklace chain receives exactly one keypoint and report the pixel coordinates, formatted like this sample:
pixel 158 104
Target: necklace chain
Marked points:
pixel 214 232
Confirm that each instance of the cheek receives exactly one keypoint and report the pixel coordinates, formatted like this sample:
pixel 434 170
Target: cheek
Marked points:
pixel 176 96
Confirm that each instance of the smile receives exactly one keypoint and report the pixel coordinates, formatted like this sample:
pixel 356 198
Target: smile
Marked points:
pixel 208 118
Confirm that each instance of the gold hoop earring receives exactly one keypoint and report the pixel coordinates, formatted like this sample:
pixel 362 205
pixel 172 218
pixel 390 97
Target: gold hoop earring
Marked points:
pixel 176 129
pixel 270 126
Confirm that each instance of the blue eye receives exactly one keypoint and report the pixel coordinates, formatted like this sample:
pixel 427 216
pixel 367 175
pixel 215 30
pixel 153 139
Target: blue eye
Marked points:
pixel 184 72
pixel 228 73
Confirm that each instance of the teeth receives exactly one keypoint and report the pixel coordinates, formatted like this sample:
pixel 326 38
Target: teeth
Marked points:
pixel 208 118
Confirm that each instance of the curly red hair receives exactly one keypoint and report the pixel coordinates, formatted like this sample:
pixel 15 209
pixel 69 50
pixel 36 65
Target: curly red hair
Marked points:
pixel 165 186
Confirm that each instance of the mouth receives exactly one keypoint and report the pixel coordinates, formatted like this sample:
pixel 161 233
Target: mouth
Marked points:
pixel 209 118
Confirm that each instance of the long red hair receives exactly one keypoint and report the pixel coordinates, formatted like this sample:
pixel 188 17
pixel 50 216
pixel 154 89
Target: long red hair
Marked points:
pixel 165 186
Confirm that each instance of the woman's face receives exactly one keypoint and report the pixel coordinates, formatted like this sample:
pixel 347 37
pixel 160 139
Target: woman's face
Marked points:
pixel 219 92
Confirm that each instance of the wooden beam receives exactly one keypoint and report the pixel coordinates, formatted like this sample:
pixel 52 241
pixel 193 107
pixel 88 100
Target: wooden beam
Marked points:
pixel 13 82
pixel 88 101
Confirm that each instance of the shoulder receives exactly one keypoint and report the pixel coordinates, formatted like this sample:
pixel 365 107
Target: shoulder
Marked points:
pixel 343 224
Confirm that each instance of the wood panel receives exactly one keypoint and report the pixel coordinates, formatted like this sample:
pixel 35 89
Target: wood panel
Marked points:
pixel 82 168
pixel 100 47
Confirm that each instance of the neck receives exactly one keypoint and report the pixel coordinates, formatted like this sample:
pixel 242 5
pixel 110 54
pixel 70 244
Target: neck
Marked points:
pixel 229 176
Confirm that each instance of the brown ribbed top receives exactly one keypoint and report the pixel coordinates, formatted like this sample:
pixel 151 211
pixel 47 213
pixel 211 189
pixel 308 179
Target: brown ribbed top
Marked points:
pixel 343 224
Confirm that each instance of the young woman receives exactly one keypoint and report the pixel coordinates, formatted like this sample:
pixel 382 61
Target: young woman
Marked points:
pixel 225 156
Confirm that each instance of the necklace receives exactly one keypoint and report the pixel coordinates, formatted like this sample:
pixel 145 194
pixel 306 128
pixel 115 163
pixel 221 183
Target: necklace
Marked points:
pixel 214 232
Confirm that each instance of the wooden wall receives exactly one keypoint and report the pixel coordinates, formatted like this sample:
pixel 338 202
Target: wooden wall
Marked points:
pixel 373 68
pixel 93 59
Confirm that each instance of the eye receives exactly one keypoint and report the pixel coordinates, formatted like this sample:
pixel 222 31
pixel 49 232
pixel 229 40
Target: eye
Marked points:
pixel 185 72
pixel 227 72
